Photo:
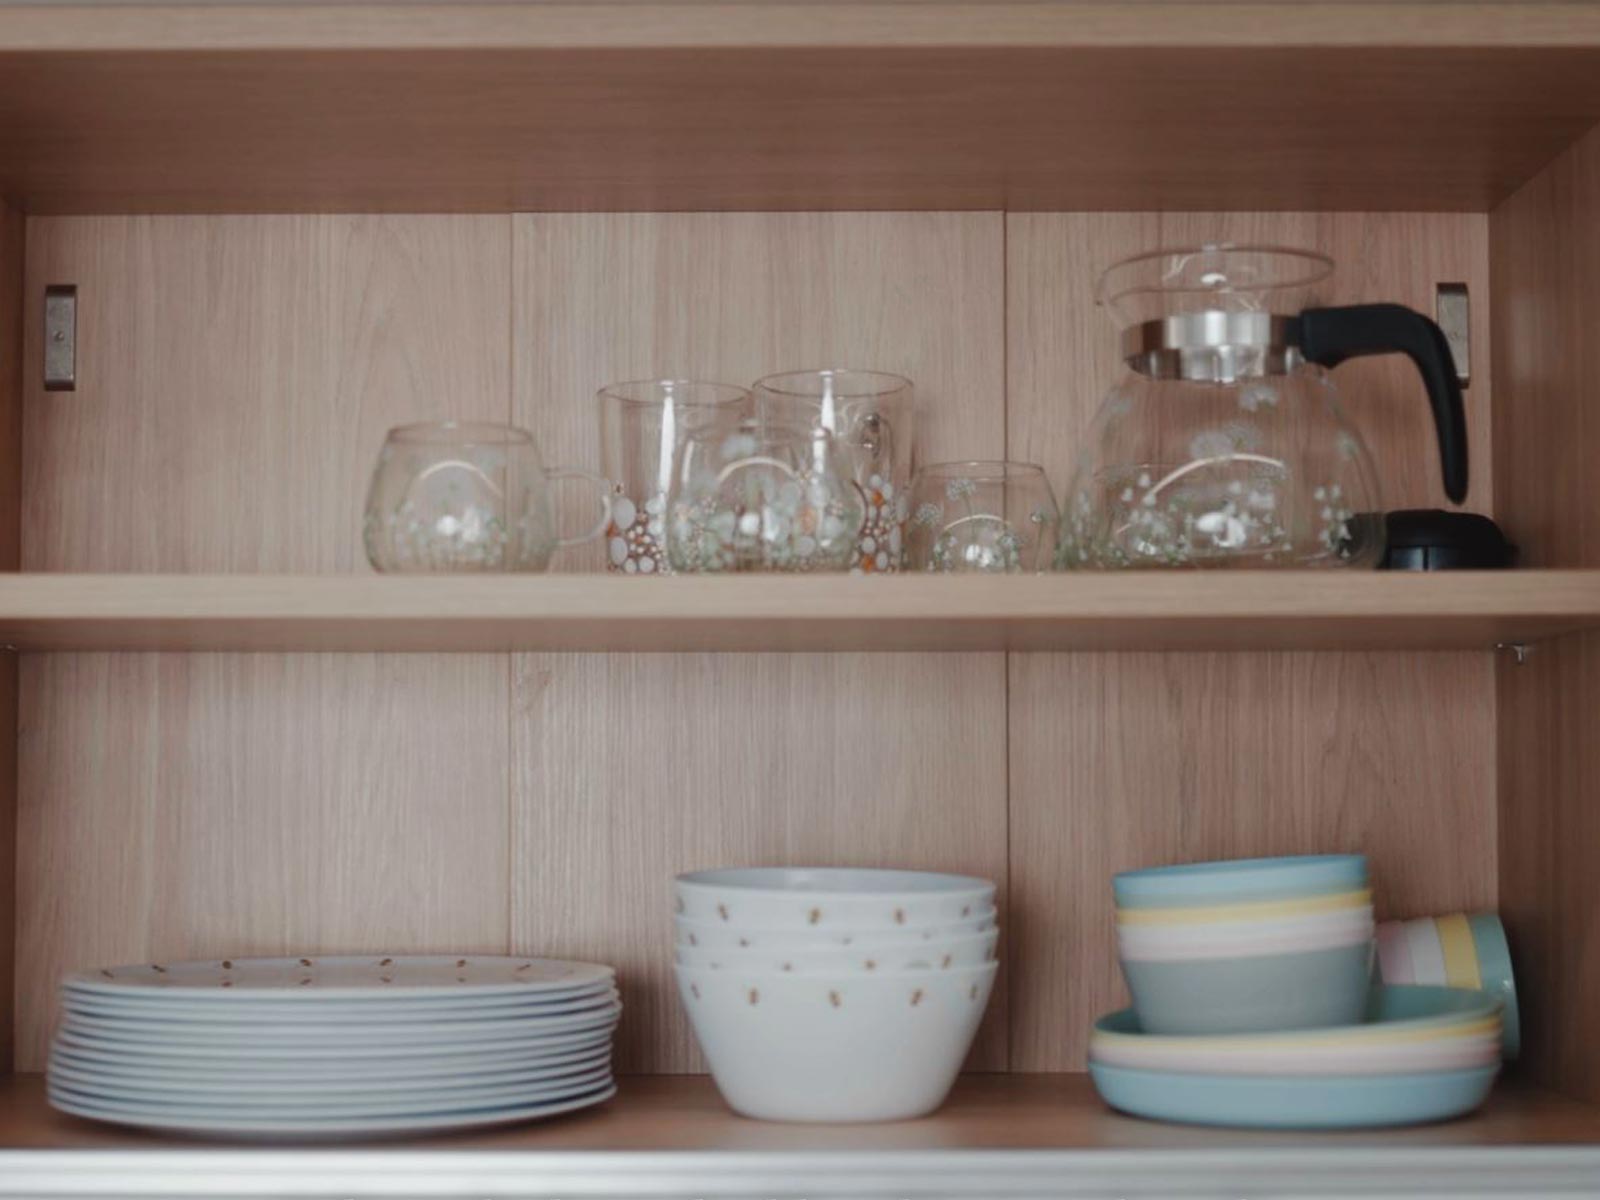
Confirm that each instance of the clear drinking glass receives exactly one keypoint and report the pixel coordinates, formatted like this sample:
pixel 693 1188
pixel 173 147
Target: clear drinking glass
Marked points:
pixel 981 517
pixel 641 426
pixel 466 496
pixel 873 415
pixel 751 495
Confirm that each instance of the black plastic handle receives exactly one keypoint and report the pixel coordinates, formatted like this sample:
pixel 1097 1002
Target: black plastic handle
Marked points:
pixel 1330 335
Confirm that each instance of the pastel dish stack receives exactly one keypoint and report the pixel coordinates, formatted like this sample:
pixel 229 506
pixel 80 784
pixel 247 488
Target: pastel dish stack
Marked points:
pixel 1457 950
pixel 829 994
pixel 1247 946
pixel 1419 1054
pixel 1253 1005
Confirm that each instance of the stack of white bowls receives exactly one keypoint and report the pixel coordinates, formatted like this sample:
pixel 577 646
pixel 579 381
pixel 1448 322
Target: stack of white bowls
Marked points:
pixel 834 994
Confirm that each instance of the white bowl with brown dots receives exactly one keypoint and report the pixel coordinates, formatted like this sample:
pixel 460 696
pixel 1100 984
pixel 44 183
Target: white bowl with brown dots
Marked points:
pixel 971 951
pixel 826 898
pixel 847 1047
pixel 716 935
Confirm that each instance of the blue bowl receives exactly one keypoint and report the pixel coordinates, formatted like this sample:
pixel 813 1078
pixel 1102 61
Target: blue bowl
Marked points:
pixel 1240 880
pixel 1302 989
pixel 1286 1102
pixel 1499 980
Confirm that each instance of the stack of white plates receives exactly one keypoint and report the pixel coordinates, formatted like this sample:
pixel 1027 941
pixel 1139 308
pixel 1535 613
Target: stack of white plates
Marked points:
pixel 288 1047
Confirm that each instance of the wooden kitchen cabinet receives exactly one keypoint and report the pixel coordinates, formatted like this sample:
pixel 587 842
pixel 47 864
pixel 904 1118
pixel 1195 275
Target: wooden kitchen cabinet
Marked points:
pixel 292 226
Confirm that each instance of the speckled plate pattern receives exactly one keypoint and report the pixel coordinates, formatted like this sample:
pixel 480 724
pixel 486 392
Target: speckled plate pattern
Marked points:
pixel 315 979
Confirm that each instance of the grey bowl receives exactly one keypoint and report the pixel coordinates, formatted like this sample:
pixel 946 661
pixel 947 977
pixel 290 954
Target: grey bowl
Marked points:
pixel 1299 990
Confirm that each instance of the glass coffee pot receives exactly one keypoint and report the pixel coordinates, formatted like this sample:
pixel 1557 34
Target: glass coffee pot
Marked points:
pixel 1224 445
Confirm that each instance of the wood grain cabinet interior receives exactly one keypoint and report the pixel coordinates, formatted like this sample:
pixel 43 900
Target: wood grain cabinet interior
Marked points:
pixel 291 227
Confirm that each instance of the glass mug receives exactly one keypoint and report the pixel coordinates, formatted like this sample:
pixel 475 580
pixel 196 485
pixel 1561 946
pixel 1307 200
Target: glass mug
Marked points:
pixel 981 517
pixel 642 424
pixel 872 414
pixel 753 495
pixel 466 496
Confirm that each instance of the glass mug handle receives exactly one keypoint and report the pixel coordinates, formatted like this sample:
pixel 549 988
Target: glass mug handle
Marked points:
pixel 604 494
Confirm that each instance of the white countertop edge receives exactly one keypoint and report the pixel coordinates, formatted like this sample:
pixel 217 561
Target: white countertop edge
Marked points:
pixel 1307 1174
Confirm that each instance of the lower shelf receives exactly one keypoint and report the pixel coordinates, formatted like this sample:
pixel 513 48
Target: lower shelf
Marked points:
pixel 999 1136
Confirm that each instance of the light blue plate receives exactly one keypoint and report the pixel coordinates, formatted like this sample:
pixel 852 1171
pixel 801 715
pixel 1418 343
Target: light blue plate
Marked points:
pixel 1240 880
pixel 1306 1102
pixel 1499 980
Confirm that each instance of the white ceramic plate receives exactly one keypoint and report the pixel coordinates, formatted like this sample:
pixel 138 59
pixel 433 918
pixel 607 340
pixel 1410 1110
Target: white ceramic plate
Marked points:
pixel 88 1071
pixel 260 1001
pixel 324 1071
pixel 321 1038
pixel 203 1122
pixel 412 1051
pixel 244 1103
pixel 348 977
pixel 301 1014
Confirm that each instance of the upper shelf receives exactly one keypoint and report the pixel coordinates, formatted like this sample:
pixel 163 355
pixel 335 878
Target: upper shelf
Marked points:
pixel 881 104
pixel 1111 611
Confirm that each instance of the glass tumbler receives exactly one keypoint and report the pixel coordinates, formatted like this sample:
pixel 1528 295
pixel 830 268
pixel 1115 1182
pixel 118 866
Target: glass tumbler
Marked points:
pixel 981 517
pixel 751 495
pixel 641 426
pixel 465 496
pixel 872 414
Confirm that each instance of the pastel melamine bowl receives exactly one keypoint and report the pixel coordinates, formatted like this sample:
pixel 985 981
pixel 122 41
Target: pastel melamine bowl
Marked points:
pixel 835 1048
pixel 971 951
pixel 1132 948
pixel 830 897
pixel 715 935
pixel 1287 989
pixel 1240 880
pixel 1233 938
pixel 1499 980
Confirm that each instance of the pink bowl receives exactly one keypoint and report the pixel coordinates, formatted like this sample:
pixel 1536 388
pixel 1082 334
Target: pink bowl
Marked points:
pixel 1394 954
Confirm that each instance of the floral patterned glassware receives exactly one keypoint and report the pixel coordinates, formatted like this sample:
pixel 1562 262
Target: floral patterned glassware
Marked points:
pixel 641 426
pixel 873 415
pixel 463 496
pixel 751 495
pixel 983 517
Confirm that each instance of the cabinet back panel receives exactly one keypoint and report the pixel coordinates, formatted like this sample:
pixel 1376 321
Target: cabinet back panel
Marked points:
pixel 238 374
pixel 654 764
pixel 1546 244
pixel 1125 760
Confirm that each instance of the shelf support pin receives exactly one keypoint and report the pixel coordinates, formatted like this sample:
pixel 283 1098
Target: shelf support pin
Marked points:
pixel 1519 651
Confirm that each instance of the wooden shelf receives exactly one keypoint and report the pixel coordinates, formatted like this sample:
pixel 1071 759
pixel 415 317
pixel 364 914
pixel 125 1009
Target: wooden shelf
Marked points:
pixel 1328 610
pixel 998 1136
pixel 696 105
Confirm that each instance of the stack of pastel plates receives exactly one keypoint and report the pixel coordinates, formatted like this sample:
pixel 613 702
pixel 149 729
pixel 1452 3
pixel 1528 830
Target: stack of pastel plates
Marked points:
pixel 1422 1054
pixel 329 1047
